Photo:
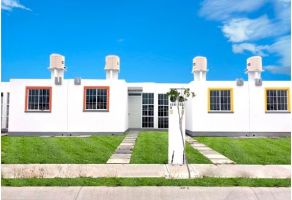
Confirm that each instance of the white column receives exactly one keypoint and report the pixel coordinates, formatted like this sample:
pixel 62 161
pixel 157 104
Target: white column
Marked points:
pixel 176 139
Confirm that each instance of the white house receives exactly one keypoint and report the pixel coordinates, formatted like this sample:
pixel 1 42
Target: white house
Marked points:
pixel 87 106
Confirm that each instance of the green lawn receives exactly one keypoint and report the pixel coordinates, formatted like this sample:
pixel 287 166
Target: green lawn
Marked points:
pixel 252 150
pixel 152 147
pixel 94 149
pixel 148 182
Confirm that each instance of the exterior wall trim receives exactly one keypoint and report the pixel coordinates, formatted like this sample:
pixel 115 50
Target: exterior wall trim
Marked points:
pixel 20 133
pixel 288 99
pixel 237 134
pixel 27 88
pixel 96 87
pixel 231 99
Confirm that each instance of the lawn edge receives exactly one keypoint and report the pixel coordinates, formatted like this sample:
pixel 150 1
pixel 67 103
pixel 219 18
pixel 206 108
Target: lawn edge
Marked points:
pixel 226 182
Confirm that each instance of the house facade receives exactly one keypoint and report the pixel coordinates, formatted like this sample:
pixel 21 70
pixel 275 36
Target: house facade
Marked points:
pixel 59 106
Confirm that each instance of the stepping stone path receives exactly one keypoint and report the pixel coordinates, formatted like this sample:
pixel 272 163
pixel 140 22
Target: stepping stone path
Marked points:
pixel 213 156
pixel 123 153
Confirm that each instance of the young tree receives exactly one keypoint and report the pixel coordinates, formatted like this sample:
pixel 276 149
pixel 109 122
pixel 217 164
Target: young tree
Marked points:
pixel 179 96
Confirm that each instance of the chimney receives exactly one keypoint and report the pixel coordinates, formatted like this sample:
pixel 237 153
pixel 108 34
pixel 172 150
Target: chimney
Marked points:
pixel 112 67
pixel 57 66
pixel 200 68
pixel 254 67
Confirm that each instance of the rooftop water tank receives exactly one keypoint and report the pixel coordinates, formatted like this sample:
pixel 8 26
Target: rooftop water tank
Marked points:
pixel 200 64
pixel 254 63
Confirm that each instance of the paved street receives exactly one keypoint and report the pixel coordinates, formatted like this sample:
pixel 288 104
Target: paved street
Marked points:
pixel 145 193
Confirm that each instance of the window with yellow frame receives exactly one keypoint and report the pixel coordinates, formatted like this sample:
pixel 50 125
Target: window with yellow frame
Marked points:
pixel 220 99
pixel 277 99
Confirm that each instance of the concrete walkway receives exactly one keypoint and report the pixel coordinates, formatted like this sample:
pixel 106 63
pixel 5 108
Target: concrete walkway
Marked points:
pixel 124 151
pixel 145 193
pixel 143 170
pixel 209 153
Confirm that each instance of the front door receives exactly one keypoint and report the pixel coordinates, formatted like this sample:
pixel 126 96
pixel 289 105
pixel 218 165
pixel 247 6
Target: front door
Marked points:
pixel 134 110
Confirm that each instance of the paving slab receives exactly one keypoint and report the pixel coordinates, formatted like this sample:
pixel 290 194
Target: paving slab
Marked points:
pixel 124 156
pixel 203 148
pixel 198 145
pixel 121 147
pixel 127 144
pixel 220 161
pixel 123 151
pixel 214 156
pixel 207 151
pixel 129 141
pixel 118 160
pixel 145 193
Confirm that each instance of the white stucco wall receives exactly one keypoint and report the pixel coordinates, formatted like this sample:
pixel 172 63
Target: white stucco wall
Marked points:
pixel 260 121
pixel 67 108
pixel 68 116
pixel 249 109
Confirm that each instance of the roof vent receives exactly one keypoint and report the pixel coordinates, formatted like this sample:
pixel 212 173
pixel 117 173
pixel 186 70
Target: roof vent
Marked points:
pixel 58 80
pixel 239 82
pixel 77 81
pixel 258 82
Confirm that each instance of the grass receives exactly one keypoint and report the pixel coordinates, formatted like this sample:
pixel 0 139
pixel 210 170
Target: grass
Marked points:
pixel 148 182
pixel 152 148
pixel 58 150
pixel 252 150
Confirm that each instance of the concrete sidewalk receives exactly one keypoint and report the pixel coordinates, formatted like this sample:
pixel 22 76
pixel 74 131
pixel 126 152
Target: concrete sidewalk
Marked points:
pixel 145 193
pixel 143 170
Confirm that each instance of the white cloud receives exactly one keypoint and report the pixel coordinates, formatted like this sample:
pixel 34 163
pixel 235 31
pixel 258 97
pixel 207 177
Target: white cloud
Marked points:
pixel 278 69
pixel 282 48
pixel 245 29
pixel 282 10
pixel 244 32
pixel 11 4
pixel 249 47
pixel 224 9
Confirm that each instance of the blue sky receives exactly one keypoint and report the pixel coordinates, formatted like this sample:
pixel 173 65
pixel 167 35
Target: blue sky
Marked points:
pixel 156 40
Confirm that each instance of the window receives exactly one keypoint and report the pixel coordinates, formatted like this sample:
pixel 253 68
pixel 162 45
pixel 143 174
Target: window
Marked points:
pixel 7 109
pixel 2 104
pixel 277 99
pixel 96 98
pixel 162 111
pixel 2 109
pixel 38 99
pixel 220 100
pixel 147 110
